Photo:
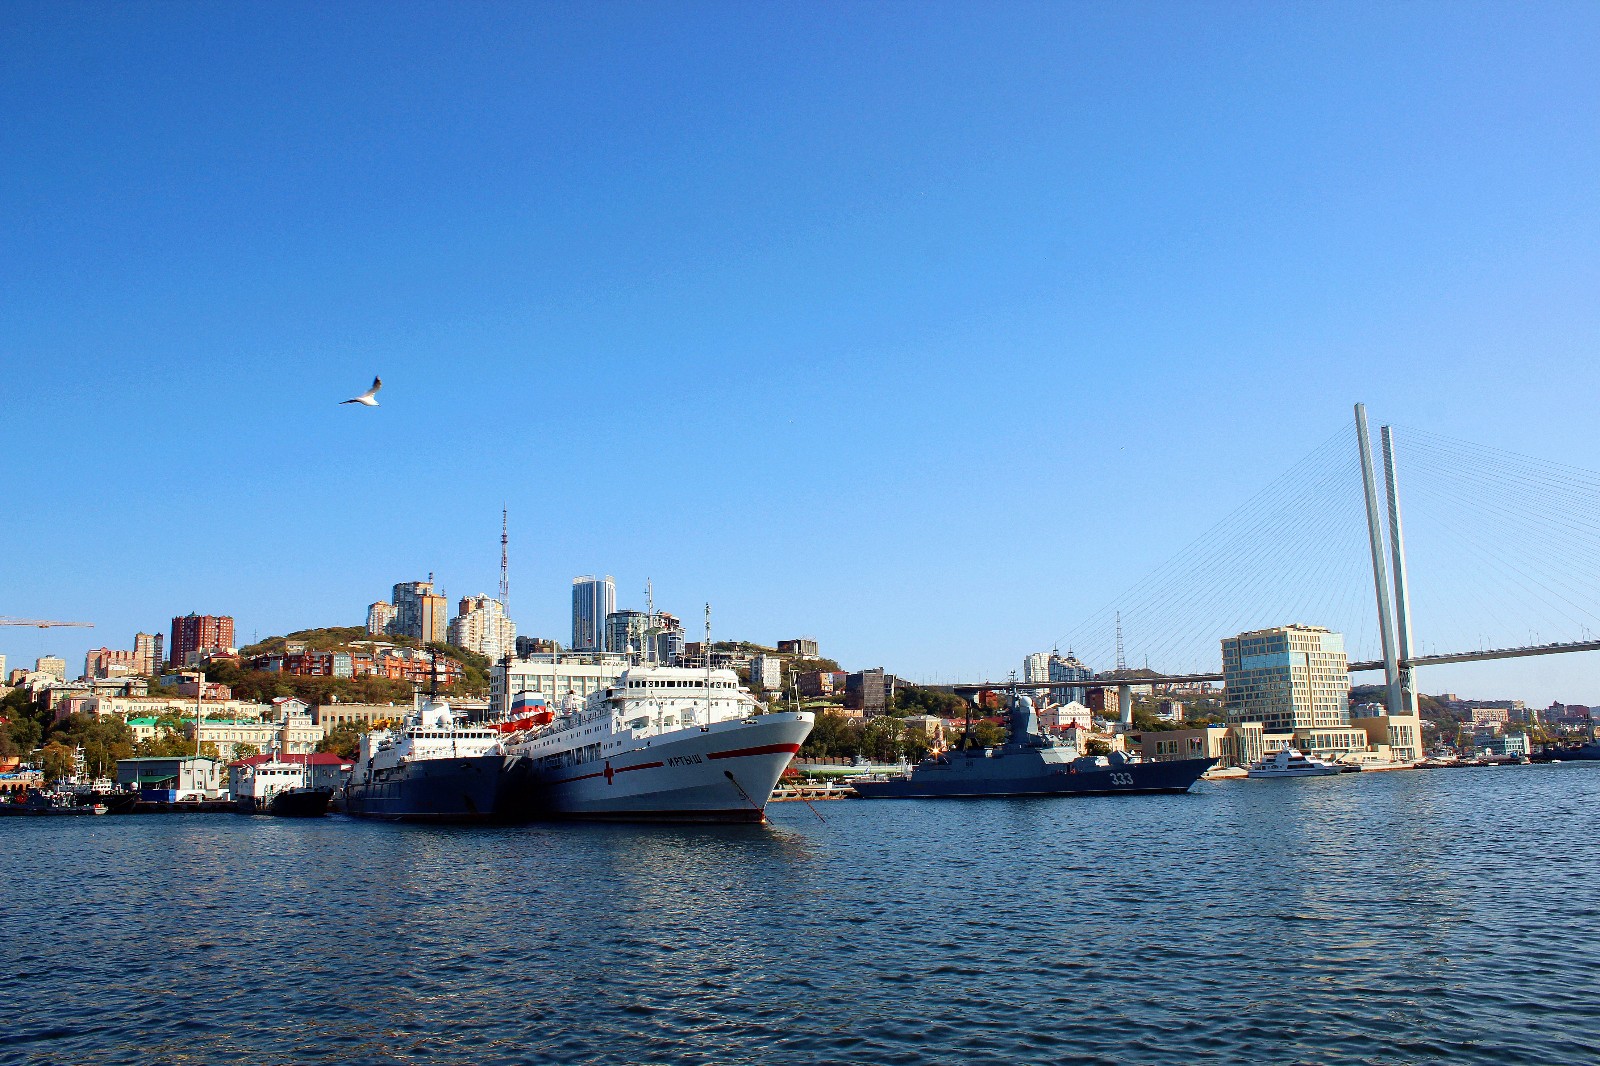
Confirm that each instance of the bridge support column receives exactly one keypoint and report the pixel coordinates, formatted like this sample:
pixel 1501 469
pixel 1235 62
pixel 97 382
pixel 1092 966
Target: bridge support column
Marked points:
pixel 1379 577
pixel 1402 588
pixel 1125 706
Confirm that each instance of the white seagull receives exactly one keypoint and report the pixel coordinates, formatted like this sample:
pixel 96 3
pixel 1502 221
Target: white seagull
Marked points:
pixel 368 398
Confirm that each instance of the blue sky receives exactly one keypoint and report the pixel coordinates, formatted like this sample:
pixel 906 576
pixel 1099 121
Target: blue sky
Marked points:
pixel 924 329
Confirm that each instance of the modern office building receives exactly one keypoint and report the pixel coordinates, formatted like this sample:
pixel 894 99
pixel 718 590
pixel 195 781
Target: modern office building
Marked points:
pixel 1288 678
pixel 195 635
pixel 593 599
pixel 420 611
pixel 380 617
pixel 1068 668
pixel 482 626
pixel 627 633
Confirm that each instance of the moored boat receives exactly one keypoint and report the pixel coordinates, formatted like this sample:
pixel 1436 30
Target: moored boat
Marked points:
pixel 280 788
pixel 1291 762
pixel 433 768
pixel 663 743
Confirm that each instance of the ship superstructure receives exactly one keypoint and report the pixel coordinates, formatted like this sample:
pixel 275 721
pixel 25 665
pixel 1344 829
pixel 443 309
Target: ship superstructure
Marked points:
pixel 434 767
pixel 662 743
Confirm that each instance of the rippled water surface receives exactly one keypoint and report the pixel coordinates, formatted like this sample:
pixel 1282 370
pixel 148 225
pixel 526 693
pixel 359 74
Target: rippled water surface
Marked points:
pixel 1403 917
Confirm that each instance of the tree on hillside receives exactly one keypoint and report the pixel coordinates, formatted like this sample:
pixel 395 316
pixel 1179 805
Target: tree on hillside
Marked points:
pixel 343 740
pixel 57 760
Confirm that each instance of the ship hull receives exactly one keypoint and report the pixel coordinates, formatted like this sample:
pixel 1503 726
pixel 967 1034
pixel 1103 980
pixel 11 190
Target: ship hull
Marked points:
pixel 721 773
pixel 476 789
pixel 290 803
pixel 1019 775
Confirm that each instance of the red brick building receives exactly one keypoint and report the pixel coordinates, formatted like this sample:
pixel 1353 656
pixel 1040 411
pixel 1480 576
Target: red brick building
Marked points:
pixel 199 633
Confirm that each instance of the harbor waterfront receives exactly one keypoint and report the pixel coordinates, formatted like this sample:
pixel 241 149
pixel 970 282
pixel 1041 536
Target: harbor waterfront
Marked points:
pixel 1398 917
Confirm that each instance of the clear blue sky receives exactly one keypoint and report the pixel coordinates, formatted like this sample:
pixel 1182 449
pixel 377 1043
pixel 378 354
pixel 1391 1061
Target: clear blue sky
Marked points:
pixel 846 318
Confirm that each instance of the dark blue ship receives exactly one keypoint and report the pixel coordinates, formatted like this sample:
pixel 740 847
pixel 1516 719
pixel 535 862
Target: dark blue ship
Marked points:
pixel 1031 764
pixel 434 768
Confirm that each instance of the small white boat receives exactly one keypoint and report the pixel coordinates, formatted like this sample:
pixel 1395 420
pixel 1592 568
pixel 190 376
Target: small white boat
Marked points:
pixel 1291 762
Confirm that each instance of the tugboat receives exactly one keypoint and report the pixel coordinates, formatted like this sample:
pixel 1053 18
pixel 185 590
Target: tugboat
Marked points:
pixel 1030 764
pixel 282 789
pixel 433 769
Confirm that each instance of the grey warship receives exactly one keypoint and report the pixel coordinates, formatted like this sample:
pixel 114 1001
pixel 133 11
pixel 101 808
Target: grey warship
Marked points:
pixel 1031 764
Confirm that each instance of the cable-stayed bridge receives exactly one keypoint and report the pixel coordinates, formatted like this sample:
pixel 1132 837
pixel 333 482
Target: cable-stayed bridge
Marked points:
pixel 1493 555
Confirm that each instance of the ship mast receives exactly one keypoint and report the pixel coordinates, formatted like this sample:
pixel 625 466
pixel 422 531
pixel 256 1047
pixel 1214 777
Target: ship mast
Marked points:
pixel 709 714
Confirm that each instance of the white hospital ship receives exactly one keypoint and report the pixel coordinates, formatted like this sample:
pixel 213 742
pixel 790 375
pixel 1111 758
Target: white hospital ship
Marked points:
pixel 662 743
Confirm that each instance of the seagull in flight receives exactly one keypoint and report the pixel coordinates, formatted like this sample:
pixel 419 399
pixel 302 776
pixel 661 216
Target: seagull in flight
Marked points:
pixel 368 398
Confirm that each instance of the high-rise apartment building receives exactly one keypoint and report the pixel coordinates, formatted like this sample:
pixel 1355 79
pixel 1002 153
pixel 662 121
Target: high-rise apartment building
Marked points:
pixel 593 598
pixel 149 653
pixel 198 634
pixel 50 664
pixel 420 612
pixel 1068 668
pixel 766 672
pixel 669 639
pixel 1288 678
pixel 481 625
pixel 1036 667
pixel 380 617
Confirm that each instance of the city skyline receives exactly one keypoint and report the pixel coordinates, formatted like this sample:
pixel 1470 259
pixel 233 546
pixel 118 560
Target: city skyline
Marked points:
pixel 898 262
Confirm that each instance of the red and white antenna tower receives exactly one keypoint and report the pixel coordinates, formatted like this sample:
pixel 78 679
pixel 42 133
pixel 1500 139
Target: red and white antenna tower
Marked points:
pixel 505 571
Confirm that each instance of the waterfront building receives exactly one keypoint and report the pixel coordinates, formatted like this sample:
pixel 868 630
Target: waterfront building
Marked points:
pixel 1068 668
pixel 380 619
pixel 1503 744
pixel 1287 678
pixel 481 626
pixel 1395 738
pixel 194 636
pixel 52 665
pixel 1203 742
pixel 593 599
pixel 627 633
pixel 766 672
pixel 149 653
pixel 800 648
pixel 1036 667
pixel 420 612
pixel 328 770
pixel 192 774
pixel 555 677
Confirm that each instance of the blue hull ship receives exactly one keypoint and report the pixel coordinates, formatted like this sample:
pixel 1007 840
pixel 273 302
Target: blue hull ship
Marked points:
pixel 436 790
pixel 435 768
pixel 1030 764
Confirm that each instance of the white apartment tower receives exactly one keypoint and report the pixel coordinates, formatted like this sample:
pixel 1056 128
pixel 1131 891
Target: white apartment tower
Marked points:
pixel 481 626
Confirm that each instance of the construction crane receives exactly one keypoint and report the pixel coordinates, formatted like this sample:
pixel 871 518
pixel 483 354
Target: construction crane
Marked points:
pixel 42 623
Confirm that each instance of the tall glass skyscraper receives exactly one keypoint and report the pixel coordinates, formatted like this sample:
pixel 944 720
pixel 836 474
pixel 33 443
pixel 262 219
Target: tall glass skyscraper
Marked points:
pixel 592 599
